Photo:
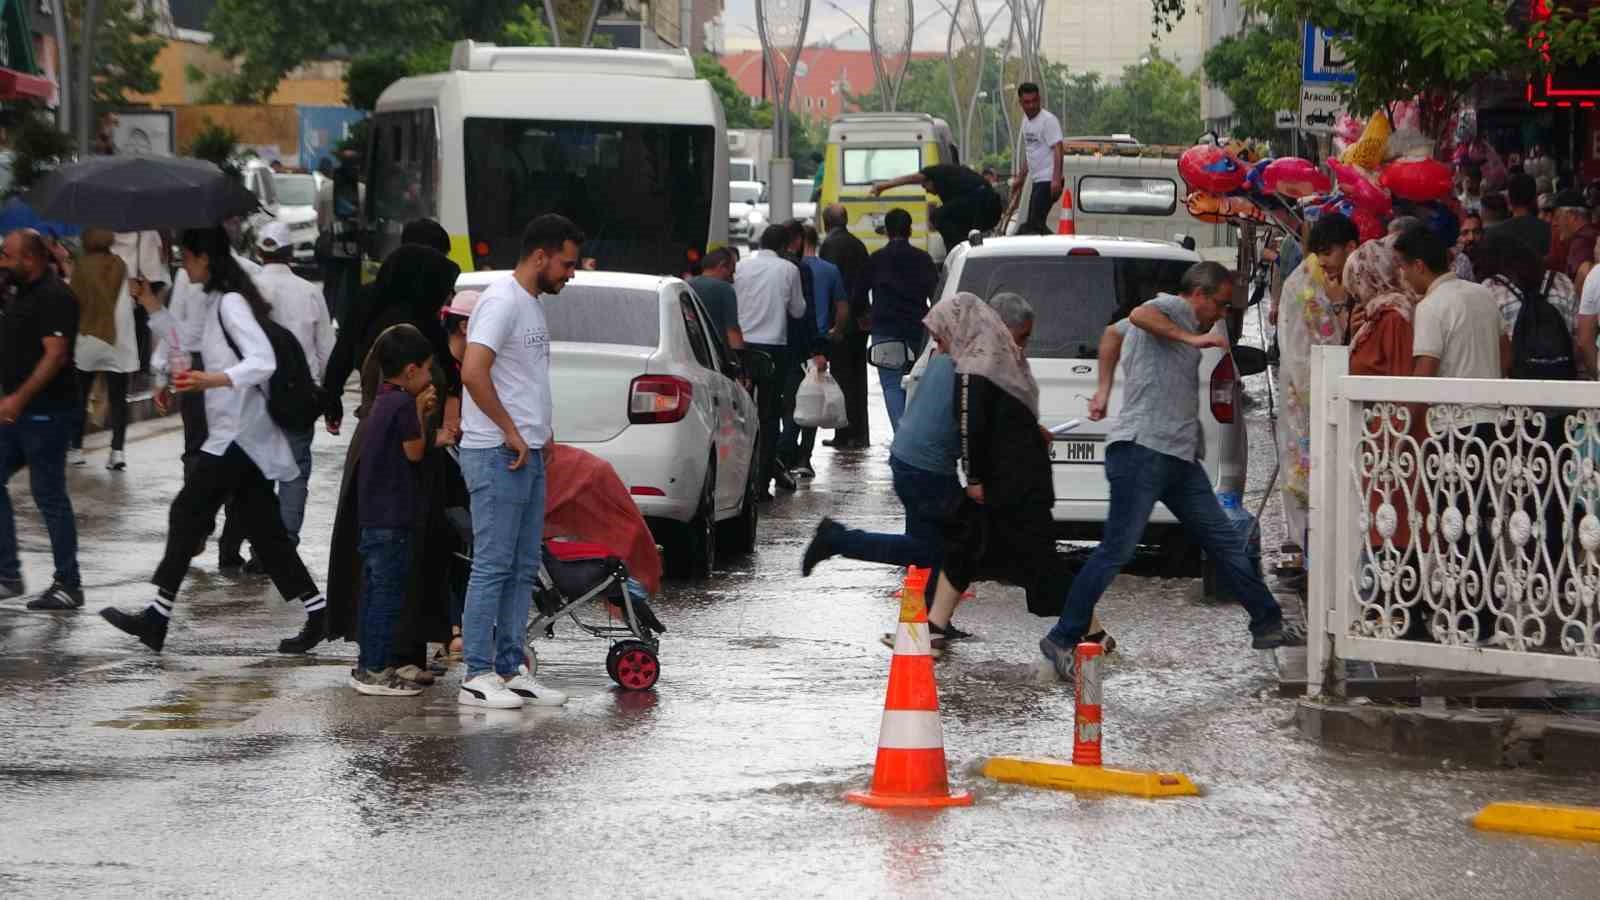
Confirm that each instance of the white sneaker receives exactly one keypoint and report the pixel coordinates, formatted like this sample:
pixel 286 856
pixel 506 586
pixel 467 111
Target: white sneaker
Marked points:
pixel 118 461
pixel 76 457
pixel 523 685
pixel 487 690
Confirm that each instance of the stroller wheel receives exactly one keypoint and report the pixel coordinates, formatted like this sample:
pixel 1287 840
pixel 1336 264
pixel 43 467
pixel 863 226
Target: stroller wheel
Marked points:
pixel 633 665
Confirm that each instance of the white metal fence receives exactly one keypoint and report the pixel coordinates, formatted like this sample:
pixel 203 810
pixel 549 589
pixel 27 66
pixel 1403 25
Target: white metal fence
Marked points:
pixel 1455 524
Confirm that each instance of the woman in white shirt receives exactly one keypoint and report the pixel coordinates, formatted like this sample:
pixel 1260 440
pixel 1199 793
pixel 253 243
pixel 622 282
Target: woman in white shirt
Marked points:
pixel 244 452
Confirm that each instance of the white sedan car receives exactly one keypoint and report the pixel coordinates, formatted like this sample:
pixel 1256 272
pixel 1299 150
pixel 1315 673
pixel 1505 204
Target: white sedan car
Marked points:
pixel 641 378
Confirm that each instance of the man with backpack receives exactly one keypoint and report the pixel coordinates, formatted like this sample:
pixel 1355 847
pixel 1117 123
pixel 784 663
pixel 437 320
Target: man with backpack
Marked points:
pixel 298 306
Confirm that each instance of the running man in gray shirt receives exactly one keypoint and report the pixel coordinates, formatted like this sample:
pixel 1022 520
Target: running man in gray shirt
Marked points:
pixel 1153 454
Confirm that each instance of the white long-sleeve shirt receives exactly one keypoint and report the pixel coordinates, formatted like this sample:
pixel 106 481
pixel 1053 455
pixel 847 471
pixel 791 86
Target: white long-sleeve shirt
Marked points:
pixel 238 414
pixel 768 288
pixel 184 319
pixel 299 306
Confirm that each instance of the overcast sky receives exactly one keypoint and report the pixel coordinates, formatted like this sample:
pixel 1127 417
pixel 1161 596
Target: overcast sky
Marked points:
pixel 827 23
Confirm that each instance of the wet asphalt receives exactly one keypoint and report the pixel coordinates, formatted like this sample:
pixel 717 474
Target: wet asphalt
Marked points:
pixel 220 768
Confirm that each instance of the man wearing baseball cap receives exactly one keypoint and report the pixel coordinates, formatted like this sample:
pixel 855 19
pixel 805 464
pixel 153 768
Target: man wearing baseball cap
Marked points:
pixel 299 306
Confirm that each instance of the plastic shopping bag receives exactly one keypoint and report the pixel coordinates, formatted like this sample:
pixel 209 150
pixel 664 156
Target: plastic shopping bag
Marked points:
pixel 834 413
pixel 810 401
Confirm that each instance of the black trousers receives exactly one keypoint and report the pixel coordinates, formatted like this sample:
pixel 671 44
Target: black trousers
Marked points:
pixel 849 367
pixel 1040 200
pixel 210 482
pixel 116 396
pixel 769 407
pixel 960 216
pixel 192 409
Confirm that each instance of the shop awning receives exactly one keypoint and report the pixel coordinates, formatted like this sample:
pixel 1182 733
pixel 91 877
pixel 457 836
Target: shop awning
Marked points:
pixel 16 85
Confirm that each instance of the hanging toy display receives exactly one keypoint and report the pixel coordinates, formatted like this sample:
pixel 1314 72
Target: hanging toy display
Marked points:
pixel 1206 167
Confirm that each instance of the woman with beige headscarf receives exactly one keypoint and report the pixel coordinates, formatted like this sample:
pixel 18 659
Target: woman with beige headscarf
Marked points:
pixel 107 343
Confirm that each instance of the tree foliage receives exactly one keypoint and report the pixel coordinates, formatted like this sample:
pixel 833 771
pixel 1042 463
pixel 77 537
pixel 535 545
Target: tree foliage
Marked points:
pixel 125 48
pixel 1259 72
pixel 37 146
pixel 216 144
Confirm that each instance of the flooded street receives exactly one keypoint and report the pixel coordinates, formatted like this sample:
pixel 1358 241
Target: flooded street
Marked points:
pixel 221 768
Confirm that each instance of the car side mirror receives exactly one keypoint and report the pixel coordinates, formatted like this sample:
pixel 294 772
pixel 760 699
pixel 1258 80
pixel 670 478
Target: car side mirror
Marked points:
pixel 1249 360
pixel 894 355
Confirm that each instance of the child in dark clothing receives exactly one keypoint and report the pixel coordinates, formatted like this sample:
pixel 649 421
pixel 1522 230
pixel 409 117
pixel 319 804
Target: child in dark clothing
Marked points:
pixel 387 498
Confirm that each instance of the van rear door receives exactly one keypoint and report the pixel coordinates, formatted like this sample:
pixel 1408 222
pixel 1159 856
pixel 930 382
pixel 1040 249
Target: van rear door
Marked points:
pixel 854 168
pixel 1074 297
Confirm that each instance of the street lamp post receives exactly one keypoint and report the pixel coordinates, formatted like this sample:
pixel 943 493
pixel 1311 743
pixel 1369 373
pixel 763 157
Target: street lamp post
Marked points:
pixel 781 25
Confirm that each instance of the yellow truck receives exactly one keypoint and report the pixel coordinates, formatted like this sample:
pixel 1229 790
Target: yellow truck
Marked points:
pixel 864 148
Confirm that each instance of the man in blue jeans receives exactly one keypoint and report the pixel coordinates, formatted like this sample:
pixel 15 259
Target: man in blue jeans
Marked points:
pixel 38 413
pixel 903 280
pixel 505 427
pixel 1153 454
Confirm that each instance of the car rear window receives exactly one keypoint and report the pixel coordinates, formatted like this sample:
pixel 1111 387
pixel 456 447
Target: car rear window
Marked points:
pixel 603 315
pixel 1074 297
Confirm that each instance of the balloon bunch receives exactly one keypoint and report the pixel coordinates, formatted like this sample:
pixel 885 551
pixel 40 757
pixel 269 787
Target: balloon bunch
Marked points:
pixel 1223 187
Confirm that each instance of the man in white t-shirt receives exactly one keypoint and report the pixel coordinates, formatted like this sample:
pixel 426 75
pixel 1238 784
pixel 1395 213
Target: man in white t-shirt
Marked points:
pixel 1456 331
pixel 1587 331
pixel 1040 173
pixel 505 427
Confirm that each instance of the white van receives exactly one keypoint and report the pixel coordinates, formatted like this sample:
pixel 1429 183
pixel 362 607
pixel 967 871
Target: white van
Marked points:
pixel 629 144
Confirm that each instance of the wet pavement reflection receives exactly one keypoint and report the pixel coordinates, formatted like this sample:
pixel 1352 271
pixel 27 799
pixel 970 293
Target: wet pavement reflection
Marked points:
pixel 222 768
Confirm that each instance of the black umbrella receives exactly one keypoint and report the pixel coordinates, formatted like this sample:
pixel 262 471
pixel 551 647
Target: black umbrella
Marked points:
pixel 135 193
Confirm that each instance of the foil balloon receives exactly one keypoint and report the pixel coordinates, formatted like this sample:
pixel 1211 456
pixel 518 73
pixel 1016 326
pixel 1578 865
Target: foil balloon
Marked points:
pixel 1417 180
pixel 1215 208
pixel 1368 225
pixel 1208 168
pixel 1360 189
pixel 1294 177
pixel 1254 180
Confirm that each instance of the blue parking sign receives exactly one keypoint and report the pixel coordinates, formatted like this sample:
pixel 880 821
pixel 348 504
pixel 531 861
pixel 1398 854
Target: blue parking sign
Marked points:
pixel 1323 62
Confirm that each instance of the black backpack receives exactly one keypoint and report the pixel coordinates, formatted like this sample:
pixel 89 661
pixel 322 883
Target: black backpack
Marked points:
pixel 292 398
pixel 1541 343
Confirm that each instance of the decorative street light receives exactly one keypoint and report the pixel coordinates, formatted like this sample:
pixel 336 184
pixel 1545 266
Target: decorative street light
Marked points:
pixel 781 25
pixel 890 36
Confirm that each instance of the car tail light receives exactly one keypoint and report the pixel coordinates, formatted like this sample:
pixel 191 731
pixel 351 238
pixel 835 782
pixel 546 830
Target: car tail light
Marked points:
pixel 1083 251
pixel 1223 379
pixel 656 399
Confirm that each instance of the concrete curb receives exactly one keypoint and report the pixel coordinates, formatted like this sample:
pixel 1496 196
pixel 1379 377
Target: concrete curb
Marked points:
pixel 1509 739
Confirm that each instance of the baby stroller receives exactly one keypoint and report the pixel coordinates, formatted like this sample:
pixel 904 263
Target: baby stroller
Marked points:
pixel 574 573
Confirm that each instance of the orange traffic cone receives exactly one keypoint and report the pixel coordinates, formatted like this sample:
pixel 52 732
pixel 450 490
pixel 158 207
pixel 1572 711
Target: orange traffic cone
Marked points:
pixel 1066 224
pixel 911 771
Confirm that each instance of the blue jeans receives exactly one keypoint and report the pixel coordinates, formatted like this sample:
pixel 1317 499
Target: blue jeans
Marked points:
pixel 39 441
pixel 928 498
pixel 1139 477
pixel 894 393
pixel 507 536
pixel 292 494
pixel 385 560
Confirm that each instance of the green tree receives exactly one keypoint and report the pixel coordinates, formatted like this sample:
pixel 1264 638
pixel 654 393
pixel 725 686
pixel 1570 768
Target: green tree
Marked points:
pixel 1437 51
pixel 1259 72
pixel 125 48
pixel 1155 102
pixel 37 146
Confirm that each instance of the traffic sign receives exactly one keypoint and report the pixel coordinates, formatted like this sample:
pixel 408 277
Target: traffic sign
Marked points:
pixel 1288 118
pixel 1321 108
pixel 1322 60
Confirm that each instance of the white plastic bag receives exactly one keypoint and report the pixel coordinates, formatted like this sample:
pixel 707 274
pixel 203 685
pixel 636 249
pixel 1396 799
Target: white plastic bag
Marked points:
pixel 810 401
pixel 834 413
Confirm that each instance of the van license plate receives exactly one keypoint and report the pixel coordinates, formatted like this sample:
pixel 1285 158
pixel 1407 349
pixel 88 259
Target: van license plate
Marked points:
pixel 1078 452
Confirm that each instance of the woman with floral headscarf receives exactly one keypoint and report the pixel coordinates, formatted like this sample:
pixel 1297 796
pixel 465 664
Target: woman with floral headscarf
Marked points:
pixel 1381 345
pixel 1004 529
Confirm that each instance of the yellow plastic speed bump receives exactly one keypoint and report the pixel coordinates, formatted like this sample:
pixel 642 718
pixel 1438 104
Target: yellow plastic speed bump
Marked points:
pixel 1064 776
pixel 1576 823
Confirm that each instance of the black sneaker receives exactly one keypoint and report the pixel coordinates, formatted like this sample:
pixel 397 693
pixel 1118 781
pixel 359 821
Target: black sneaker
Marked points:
pixel 311 634
pixel 819 549
pixel 804 472
pixel 784 480
pixel 1106 641
pixel 58 598
pixel 1278 637
pixel 253 566
pixel 11 588
pixel 149 626
pixel 229 562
